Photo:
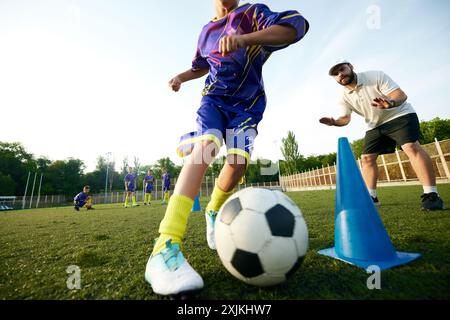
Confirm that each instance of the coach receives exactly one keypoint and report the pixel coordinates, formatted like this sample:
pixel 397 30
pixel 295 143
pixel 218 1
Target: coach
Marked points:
pixel 391 120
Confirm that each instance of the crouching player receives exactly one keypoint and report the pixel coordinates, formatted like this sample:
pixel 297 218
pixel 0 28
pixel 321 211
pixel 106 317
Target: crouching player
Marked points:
pixel 83 199
pixel 232 49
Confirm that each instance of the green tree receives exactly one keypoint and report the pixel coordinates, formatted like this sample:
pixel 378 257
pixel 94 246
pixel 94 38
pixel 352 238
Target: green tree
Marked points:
pixel 7 185
pixel 16 162
pixel 436 128
pixel 357 146
pixel 290 152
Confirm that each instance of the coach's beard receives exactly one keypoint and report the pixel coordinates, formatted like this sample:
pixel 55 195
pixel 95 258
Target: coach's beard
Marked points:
pixel 351 78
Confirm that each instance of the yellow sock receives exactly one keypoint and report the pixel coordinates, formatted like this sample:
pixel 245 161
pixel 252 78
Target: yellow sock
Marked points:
pixel 166 196
pixel 149 197
pixel 126 200
pixel 146 198
pixel 133 198
pixel 173 226
pixel 218 197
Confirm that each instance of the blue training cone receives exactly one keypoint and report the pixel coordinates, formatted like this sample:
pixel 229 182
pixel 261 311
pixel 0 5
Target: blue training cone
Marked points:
pixel 196 207
pixel 360 236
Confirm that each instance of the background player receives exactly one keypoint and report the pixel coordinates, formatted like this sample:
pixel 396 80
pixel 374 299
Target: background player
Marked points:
pixel 130 181
pixel 148 182
pixel 166 186
pixel 83 199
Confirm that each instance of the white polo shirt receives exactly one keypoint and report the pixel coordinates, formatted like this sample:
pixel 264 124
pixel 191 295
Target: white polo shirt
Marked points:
pixel 371 85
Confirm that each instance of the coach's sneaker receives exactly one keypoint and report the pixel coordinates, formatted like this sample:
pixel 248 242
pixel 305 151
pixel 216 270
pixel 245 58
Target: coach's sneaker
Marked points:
pixel 170 274
pixel 210 217
pixel 376 202
pixel 432 201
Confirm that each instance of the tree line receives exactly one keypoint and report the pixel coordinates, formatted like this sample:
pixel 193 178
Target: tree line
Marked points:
pixel 67 177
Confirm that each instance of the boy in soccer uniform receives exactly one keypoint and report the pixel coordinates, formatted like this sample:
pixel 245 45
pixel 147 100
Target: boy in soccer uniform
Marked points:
pixel 232 49
pixel 166 186
pixel 130 187
pixel 148 182
pixel 83 199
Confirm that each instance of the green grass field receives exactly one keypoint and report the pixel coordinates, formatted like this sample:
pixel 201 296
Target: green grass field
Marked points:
pixel 111 246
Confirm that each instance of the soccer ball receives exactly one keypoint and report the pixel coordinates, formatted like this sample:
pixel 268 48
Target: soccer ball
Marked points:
pixel 261 236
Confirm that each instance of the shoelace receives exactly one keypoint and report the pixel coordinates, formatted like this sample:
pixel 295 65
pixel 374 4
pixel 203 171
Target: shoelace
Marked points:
pixel 431 196
pixel 212 216
pixel 170 255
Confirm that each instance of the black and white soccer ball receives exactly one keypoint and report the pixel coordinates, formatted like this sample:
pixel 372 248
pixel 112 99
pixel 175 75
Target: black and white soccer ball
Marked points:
pixel 261 236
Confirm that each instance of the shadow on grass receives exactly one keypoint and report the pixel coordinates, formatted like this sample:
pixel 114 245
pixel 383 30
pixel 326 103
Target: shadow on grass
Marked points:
pixel 90 258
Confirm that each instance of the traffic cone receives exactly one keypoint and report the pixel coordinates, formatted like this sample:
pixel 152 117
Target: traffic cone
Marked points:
pixel 360 236
pixel 196 207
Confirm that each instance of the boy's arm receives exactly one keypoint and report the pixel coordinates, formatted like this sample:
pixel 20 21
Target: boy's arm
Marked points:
pixel 275 35
pixel 188 75
pixel 273 30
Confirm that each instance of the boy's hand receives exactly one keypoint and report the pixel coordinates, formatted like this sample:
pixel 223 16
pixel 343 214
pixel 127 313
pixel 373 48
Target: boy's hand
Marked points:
pixel 229 44
pixel 175 84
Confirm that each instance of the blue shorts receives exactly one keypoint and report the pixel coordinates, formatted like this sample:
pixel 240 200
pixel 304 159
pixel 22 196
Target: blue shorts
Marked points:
pixel 218 121
pixel 149 189
pixel 80 204
pixel 131 188
pixel 166 188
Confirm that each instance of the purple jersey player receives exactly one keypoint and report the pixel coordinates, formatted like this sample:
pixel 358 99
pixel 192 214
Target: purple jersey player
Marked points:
pixel 130 182
pixel 231 50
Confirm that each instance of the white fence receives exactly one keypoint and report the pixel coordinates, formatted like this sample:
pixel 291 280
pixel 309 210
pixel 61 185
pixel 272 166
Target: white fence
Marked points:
pixel 393 168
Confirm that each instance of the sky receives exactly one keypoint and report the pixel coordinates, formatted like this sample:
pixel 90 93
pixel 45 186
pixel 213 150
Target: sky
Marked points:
pixel 86 78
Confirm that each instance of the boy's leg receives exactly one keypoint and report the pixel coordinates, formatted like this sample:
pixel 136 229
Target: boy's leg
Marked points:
pixel 133 199
pixel 180 204
pixel 89 204
pixel 230 175
pixel 167 263
pixel 126 199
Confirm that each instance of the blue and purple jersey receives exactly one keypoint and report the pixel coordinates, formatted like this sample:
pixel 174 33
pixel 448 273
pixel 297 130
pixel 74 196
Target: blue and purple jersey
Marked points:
pixel 81 198
pixel 130 180
pixel 149 183
pixel 237 76
pixel 166 181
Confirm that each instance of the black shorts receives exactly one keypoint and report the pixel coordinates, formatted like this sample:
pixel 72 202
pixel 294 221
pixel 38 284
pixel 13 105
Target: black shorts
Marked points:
pixel 397 132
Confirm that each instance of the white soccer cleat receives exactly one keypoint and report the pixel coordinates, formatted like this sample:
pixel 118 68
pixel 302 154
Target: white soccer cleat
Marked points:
pixel 170 274
pixel 210 217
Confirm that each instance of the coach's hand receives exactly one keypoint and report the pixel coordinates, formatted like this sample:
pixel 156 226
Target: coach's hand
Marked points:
pixel 382 103
pixel 231 43
pixel 175 84
pixel 327 121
